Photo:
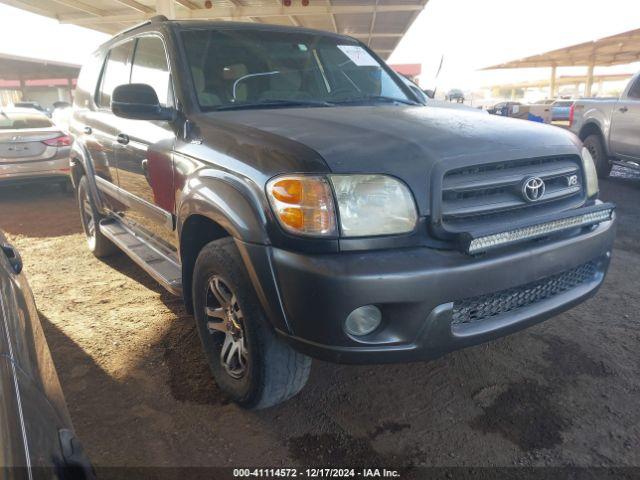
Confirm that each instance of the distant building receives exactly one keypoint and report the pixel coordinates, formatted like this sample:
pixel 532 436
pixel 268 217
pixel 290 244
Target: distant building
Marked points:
pixel 36 80
pixel 410 70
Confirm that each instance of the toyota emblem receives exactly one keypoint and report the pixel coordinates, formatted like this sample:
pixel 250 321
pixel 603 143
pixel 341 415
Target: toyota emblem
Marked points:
pixel 533 189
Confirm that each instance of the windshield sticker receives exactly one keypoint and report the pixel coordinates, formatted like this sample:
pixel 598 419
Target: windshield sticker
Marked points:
pixel 358 55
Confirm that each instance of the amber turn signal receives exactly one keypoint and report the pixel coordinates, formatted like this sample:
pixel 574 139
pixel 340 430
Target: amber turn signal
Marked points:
pixel 303 204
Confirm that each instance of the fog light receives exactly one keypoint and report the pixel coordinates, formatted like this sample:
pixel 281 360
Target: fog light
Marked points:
pixel 363 320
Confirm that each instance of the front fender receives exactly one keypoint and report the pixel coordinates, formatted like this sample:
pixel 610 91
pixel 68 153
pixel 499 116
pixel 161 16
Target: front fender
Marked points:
pixel 232 204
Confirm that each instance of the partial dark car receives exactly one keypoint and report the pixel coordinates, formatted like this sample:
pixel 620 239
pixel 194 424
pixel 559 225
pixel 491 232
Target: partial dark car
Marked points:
pixel 303 201
pixel 36 436
pixel 32 149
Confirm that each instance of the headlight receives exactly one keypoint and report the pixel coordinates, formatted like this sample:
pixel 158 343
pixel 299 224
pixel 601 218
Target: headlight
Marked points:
pixel 373 205
pixel 591 176
pixel 303 204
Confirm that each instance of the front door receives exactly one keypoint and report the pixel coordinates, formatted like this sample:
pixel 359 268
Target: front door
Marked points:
pixel 625 124
pixel 144 151
pixel 99 129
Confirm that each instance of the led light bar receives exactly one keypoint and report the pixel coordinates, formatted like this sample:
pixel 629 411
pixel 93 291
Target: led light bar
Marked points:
pixel 487 242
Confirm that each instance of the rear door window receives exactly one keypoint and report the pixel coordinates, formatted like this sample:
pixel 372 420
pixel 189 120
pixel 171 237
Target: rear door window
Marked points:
pixel 116 72
pixel 150 67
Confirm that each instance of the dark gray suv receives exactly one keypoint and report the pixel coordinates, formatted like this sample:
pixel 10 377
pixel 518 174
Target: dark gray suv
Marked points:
pixel 302 200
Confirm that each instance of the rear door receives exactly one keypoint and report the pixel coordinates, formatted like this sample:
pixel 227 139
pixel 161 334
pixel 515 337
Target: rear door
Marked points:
pixel 624 137
pixel 145 166
pixel 101 125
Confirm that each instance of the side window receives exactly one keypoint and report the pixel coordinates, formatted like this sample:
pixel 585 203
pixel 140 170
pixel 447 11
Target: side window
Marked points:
pixel 150 67
pixel 87 80
pixel 634 91
pixel 116 72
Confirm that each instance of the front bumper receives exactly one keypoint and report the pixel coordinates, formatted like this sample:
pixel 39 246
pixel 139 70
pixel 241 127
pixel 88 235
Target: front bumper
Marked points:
pixel 418 291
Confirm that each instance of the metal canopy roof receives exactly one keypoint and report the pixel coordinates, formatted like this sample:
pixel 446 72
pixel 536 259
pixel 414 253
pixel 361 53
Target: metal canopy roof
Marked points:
pixel 617 49
pixel 379 23
pixel 13 67
pixel 564 80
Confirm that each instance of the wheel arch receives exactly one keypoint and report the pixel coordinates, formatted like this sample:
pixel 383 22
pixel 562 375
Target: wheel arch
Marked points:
pixel 210 209
pixel 80 164
pixel 593 128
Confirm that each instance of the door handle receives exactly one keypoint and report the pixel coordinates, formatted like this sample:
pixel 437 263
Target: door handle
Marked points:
pixel 88 130
pixel 623 109
pixel 14 257
pixel 123 138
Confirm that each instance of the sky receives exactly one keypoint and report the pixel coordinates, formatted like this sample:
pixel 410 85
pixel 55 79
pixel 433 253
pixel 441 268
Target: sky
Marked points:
pixel 470 34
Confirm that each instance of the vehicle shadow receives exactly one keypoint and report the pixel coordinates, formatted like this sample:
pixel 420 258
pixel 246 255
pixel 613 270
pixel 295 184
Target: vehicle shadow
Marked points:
pixel 38 211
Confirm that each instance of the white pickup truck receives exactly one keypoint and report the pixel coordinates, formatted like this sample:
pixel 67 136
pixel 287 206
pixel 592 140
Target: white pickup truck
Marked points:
pixel 610 128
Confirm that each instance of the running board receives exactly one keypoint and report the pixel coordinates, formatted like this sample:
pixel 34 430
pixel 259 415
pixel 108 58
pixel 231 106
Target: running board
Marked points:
pixel 164 270
pixel 627 164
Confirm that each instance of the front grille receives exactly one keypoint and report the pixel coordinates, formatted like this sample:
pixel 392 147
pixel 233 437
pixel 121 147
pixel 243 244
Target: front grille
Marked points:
pixel 476 194
pixel 476 309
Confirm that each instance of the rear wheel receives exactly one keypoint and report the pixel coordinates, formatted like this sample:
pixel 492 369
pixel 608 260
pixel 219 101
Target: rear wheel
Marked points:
pixel 593 143
pixel 249 363
pixel 99 245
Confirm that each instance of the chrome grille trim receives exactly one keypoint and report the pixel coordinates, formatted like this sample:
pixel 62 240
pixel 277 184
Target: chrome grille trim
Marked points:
pixel 488 189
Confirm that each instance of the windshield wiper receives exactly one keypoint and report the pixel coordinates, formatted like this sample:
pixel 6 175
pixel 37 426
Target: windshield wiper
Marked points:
pixel 378 98
pixel 273 104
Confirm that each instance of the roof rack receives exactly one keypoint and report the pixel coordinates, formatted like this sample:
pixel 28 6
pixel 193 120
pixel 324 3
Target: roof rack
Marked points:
pixel 149 21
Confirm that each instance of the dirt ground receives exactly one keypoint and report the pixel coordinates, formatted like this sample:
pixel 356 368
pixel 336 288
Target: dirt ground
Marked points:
pixel 566 392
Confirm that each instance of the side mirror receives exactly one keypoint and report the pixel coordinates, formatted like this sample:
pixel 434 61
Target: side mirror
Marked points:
pixel 139 101
pixel 429 93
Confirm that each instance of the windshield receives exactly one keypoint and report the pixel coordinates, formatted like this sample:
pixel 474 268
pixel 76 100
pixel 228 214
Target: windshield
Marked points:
pixel 235 68
pixel 16 121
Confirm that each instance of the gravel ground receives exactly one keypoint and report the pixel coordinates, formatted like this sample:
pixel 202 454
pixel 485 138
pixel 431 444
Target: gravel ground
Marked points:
pixel 566 392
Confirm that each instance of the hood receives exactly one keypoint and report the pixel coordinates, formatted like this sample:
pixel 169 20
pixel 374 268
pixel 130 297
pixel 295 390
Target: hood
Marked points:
pixel 407 142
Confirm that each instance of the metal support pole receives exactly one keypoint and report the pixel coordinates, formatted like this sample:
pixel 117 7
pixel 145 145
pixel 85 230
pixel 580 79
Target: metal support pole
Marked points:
pixel 166 8
pixel 22 85
pixel 589 83
pixel 552 82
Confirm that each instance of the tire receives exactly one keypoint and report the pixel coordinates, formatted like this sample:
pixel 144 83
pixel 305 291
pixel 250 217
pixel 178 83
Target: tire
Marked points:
pixel 593 143
pixel 99 245
pixel 249 363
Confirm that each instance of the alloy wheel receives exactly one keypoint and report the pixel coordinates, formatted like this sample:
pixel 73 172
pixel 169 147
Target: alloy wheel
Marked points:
pixel 225 320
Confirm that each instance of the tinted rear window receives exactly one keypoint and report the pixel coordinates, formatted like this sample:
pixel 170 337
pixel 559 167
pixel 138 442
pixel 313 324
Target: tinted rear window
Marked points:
pixel 16 121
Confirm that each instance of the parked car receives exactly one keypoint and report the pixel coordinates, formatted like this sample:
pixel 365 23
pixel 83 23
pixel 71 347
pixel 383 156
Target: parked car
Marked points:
pixel 455 95
pixel 560 110
pixel 32 105
pixel 38 440
pixel 610 128
pixel 293 190
pixel 32 149
pixel 422 97
pixel 504 109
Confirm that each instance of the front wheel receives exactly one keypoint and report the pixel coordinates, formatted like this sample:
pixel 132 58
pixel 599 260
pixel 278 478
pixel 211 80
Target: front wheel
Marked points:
pixel 249 363
pixel 593 143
